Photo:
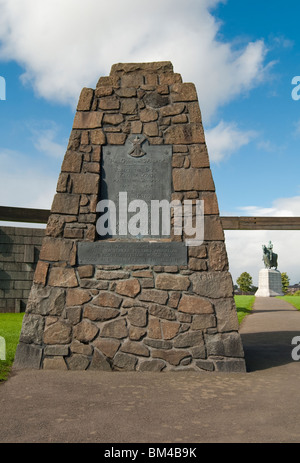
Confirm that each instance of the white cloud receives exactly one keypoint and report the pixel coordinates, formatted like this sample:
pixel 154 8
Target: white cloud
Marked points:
pixel 281 207
pixel 44 141
pixel 225 139
pixel 24 183
pixel 65 45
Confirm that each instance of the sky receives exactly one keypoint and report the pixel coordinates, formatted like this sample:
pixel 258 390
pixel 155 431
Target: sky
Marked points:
pixel 243 57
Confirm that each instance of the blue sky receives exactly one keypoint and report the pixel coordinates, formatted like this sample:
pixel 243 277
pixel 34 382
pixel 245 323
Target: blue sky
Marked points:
pixel 241 55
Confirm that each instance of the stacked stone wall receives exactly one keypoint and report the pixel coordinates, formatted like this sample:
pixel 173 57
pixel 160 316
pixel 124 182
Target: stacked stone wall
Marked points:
pixel 19 254
pixel 130 317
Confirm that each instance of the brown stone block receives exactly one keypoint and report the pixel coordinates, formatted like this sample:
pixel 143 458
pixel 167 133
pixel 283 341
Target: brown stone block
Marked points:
pixel 108 347
pixel 128 287
pixel 194 112
pixel 197 264
pixel 100 314
pixel 153 295
pixel 77 297
pixel 124 361
pixel 97 137
pixel 64 203
pixel 56 249
pixel 85 99
pixel 154 329
pixel 113 119
pixel 85 271
pixel 126 92
pixel 213 230
pixel 204 321
pixel 132 80
pixel 72 162
pixel 212 284
pixel 211 206
pixel 199 155
pixel 110 81
pixel 148 115
pixel 85 331
pixel 136 333
pixel 78 362
pixel 74 140
pixel 103 90
pixel 136 348
pixel 226 315
pixel 109 102
pixel 54 363
pixel 193 179
pixel 151 129
pixel 116 138
pixel 63 183
pixel 142 68
pixel 152 365
pixel 169 78
pixel 115 329
pixel 180 119
pixel 184 92
pixel 58 333
pixel 169 329
pixel 189 339
pixel 138 316
pixel 217 256
pixel 198 251
pixel 87 120
pixel 111 274
pixel 85 183
pixel 128 106
pixel 184 134
pixel 96 154
pixel 107 299
pixel 64 277
pixel 40 274
pixel 99 362
pixel 73 233
pixel 172 282
pixel 195 305
pixel 174 357
pixel 136 127
pixel 161 311
pixel 55 225
pixel 172 109
pixel 79 348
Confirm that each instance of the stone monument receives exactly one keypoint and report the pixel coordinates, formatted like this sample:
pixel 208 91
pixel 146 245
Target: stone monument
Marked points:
pixel 269 282
pixel 116 291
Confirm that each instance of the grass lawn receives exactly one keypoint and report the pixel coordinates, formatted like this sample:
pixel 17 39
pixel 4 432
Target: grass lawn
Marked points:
pixel 244 306
pixel 10 328
pixel 294 300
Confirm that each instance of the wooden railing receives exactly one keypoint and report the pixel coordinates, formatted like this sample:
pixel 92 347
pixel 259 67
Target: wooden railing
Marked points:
pixel 20 214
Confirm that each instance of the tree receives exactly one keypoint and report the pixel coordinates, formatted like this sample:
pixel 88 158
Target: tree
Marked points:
pixel 245 282
pixel 285 282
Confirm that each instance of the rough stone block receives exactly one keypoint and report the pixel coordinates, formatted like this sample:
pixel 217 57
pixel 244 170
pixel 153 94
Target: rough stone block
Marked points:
pixel 27 356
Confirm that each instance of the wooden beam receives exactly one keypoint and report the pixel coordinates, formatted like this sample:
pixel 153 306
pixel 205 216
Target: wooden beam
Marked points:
pixel 261 223
pixel 21 214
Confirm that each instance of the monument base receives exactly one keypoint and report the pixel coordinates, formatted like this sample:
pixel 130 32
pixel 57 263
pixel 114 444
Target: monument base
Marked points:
pixel 269 283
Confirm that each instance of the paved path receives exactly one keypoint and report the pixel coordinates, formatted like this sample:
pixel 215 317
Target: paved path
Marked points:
pixel 262 405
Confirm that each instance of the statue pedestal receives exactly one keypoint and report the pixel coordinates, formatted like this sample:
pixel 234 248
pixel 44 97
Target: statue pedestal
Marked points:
pixel 269 283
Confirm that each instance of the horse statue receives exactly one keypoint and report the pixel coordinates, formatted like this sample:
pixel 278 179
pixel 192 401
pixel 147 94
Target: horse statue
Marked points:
pixel 269 257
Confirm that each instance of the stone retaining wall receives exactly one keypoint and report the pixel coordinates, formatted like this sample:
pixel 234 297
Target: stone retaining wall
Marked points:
pixel 19 254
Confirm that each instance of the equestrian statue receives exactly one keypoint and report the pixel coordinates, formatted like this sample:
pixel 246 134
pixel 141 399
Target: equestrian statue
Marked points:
pixel 269 257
